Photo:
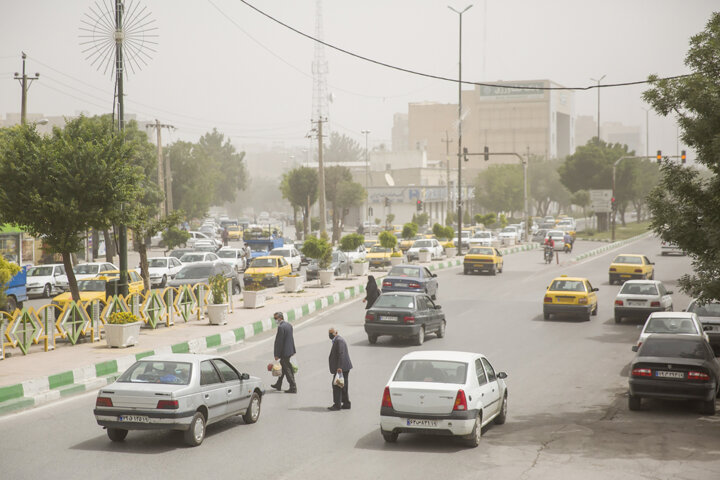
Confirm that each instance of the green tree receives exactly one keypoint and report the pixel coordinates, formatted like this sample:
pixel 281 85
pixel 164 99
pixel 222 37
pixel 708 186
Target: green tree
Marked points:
pixel 422 219
pixel 342 148
pixel 450 218
pixel 350 243
pixel 409 230
pixel 389 218
pixel 334 177
pixel 226 168
pixel 581 198
pixel 302 190
pixel 350 194
pixel 387 239
pixel 57 187
pixel 544 185
pixel 191 187
pixel 319 249
pixel 487 220
pixel 685 204
pixel 499 188
pixel 174 237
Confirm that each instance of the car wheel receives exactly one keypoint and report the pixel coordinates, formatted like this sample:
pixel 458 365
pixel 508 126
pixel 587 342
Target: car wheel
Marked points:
pixel 617 318
pixel 117 434
pixel 372 339
pixel 253 412
pixel 164 281
pixel 441 331
pixel 11 304
pixel 493 271
pixel 465 271
pixel 195 435
pixel 420 337
pixel 595 310
pixel 389 437
pixel 500 269
pixel 502 416
pixel 47 291
pixel 611 281
pixel 276 282
pixel 546 316
pixel 473 440
pixel 634 402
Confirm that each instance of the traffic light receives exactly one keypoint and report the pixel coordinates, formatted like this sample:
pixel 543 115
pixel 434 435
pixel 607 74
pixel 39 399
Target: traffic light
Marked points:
pixel 419 205
pixel 683 157
pixel 659 156
pixel 465 153
pixel 612 203
pixel 486 153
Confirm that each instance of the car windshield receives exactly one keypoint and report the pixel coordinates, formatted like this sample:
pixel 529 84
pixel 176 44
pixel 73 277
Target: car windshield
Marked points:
pixel 178 253
pixel 395 301
pixel 226 254
pixel 639 289
pixel 707 310
pixel 86 269
pixel 567 286
pixel 39 271
pixel 555 233
pixel 169 373
pixel 628 259
pixel 192 257
pixel 377 249
pixel 199 271
pixel 480 251
pixel 483 235
pixel 91 285
pixel 508 230
pixel 436 371
pixel 669 347
pixel 205 248
pixel 404 272
pixel 258 247
pixel 422 243
pixel 280 253
pixel 157 263
pixel 670 325
pixel 262 263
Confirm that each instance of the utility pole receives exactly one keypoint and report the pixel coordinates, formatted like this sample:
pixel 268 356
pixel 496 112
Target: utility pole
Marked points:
pixel 447 141
pixel 598 107
pixel 166 205
pixel 25 85
pixel 367 175
pixel 119 74
pixel 321 174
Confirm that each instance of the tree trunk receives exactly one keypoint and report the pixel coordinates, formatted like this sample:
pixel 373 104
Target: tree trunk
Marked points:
pixel 144 270
pixel 306 219
pixel 335 224
pixel 72 281
pixel 95 243
pixel 295 209
pixel 109 247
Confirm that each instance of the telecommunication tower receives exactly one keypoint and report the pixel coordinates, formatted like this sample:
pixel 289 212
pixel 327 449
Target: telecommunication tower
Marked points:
pixel 320 98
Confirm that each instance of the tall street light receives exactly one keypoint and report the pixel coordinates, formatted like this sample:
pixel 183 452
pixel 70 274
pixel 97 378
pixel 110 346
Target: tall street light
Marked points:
pixel 647 131
pixel 367 174
pixel 460 150
pixel 598 90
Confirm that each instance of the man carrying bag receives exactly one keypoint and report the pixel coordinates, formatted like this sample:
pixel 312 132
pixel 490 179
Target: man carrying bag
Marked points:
pixel 340 366
pixel 284 349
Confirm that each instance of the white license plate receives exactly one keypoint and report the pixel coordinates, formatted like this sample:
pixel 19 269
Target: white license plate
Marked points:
pixel 387 318
pixel 665 374
pixel 411 422
pixel 636 304
pixel 401 284
pixel 134 418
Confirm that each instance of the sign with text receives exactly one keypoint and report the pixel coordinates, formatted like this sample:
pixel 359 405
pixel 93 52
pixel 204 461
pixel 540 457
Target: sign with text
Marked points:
pixel 600 201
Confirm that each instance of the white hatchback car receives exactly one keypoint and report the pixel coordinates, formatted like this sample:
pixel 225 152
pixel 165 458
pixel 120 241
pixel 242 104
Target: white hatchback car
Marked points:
pixel 235 257
pixel 292 256
pixel 640 298
pixel 483 239
pixel 443 393
pixel 162 269
pixel 429 244
pixel 43 279
pixel 679 323
pixel 193 257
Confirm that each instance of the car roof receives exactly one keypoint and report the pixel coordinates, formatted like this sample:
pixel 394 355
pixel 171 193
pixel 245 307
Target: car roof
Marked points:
pixel 642 282
pixel 629 255
pixel 672 315
pixel 160 258
pixel 675 337
pixel 199 264
pixel 179 357
pixel 577 279
pixel 441 355
pixel 269 256
pixel 406 294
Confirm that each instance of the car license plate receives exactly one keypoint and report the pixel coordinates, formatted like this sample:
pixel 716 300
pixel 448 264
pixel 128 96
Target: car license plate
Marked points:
pixel 625 276
pixel 387 318
pixel 666 374
pixel 401 284
pixel 635 304
pixel 411 422
pixel 134 418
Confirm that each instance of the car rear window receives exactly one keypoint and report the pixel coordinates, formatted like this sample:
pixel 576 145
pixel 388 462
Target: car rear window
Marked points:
pixel 670 325
pixel 435 371
pixel 670 347
pixel 639 289
pixel 395 301
pixel 86 269
pixel 481 251
pixel 169 373
pixel 567 286
pixel 404 272
pixel 157 263
pixel 203 271
pixel 226 253
pixel 707 310
pixel 628 259
pixel 262 263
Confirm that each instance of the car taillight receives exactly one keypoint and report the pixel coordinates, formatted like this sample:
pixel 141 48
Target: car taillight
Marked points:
pixel 547 299
pixel 641 372
pixel 619 302
pixel 168 404
pixel 386 400
pixel 654 304
pixel 414 285
pixel 612 269
pixel 409 319
pixel 460 401
pixel 103 402
pixel 698 376
pixel 387 283
pixel 369 317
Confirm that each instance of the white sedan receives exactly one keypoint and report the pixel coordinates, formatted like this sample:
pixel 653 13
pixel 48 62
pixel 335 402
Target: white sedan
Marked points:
pixel 443 393
pixel 640 298
pixel 429 244
pixel 292 256
pixel 162 269
pixel 558 237
pixel 235 257
pixel 483 239
pixel 677 323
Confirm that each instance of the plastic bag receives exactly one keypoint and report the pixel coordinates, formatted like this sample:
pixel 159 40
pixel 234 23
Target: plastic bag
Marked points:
pixel 276 369
pixel 294 365
pixel 339 380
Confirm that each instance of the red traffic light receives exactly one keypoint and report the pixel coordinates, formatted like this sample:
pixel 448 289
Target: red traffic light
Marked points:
pixel 683 157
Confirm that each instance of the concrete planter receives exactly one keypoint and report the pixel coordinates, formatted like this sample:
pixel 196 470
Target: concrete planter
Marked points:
pixel 396 261
pixel 326 277
pixel 450 252
pixel 360 269
pixel 217 313
pixel 122 335
pixel 293 284
pixel 253 299
pixel 424 257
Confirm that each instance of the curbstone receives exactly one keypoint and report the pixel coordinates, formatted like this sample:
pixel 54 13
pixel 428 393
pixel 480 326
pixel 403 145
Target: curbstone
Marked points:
pixel 610 246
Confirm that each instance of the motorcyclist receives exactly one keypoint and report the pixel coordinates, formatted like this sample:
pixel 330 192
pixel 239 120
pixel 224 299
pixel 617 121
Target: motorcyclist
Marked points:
pixel 549 247
pixel 568 241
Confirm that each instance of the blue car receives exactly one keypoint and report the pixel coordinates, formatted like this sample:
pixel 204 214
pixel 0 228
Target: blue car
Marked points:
pixel 411 278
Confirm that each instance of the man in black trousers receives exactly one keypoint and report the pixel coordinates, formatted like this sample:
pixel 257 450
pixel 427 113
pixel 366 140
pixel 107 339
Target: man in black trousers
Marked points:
pixel 284 349
pixel 339 363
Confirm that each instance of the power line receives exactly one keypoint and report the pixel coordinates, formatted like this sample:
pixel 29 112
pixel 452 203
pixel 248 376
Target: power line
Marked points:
pixel 448 79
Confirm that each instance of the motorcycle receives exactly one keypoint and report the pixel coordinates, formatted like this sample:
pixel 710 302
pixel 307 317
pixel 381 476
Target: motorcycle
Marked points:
pixel 548 254
pixel 567 247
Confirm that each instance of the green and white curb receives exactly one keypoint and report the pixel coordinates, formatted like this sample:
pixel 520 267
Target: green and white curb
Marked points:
pixel 39 391
pixel 610 246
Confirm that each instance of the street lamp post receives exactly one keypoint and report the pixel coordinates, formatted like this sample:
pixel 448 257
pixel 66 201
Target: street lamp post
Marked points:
pixel 647 131
pixel 598 109
pixel 367 174
pixel 460 150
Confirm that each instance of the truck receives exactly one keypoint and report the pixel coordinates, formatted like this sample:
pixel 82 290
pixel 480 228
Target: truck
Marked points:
pixel 16 290
pixel 261 241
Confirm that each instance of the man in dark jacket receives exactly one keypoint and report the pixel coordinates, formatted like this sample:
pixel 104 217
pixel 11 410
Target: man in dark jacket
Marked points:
pixel 339 361
pixel 284 349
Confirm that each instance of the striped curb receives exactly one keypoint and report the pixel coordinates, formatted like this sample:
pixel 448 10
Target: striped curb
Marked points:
pixel 610 246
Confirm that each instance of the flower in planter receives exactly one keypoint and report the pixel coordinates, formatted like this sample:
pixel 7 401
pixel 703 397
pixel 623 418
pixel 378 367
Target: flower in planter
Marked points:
pixel 254 287
pixel 121 318
pixel 218 288
pixel 360 260
pixel 396 254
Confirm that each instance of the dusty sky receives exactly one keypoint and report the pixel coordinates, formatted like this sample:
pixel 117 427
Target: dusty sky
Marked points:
pixel 221 64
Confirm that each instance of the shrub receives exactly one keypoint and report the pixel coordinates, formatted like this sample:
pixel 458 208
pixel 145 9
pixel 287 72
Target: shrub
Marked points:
pixel 218 288
pixel 121 318
pixel 318 249
pixel 350 242
pixel 409 230
pixel 387 239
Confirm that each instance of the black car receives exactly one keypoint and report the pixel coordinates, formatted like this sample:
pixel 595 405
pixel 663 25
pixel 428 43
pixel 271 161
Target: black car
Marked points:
pixel 404 314
pixel 340 265
pixel 179 252
pixel 674 367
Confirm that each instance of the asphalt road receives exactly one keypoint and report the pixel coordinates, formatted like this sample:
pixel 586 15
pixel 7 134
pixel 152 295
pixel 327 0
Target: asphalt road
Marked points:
pixel 568 415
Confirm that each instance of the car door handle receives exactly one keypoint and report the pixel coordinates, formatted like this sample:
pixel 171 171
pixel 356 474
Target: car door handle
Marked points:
pixel 207 395
pixel 230 390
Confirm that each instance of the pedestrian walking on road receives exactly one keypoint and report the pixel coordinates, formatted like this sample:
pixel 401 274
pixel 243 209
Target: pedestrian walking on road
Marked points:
pixel 225 236
pixel 284 349
pixel 372 292
pixel 340 363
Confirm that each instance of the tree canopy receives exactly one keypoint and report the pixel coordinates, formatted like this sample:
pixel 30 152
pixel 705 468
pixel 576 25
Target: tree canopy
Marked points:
pixel 499 188
pixel 300 187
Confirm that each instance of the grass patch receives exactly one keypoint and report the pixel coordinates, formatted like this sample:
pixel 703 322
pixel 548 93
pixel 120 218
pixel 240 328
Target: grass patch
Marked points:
pixel 621 233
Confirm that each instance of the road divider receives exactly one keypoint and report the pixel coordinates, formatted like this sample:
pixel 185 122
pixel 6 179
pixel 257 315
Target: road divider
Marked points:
pixel 610 246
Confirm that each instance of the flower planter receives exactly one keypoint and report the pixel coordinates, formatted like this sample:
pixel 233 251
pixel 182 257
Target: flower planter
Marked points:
pixel 360 268
pixel 424 257
pixel 122 335
pixel 293 284
pixel 253 299
pixel 396 261
pixel 217 313
pixel 450 252
pixel 326 276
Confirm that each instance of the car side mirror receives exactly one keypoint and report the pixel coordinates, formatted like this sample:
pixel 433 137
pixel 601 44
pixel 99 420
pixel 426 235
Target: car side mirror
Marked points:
pixel 669 292
pixel 595 289
pixel 244 376
pixel 634 348
pixel 707 328
pixel 434 275
pixel 438 307
pixel 502 375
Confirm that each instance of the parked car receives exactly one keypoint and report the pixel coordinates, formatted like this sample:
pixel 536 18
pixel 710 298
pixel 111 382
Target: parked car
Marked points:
pixel 483 239
pixel 570 296
pixel 443 393
pixel 483 259
pixel 639 298
pixel 96 288
pixel 358 254
pixel 404 314
pixel 291 255
pixel 539 235
pixel 411 278
pixel 42 280
pixel 161 269
pixel 235 257
pixel 193 257
pixel 84 271
pixel 709 315
pixel 340 265
pixel 675 323
pixel 267 270
pixel 674 367
pixel 427 244
pixel 180 391
pixel 631 266
pixel 464 237
pixel 200 272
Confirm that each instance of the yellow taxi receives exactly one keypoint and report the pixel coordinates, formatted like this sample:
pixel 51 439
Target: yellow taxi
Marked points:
pixel 94 288
pixel 267 270
pixel 379 256
pixel 630 266
pixel 572 296
pixel 483 259
pixel 234 232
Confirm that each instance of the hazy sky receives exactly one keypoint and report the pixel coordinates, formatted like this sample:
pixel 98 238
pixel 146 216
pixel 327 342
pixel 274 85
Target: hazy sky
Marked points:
pixel 221 64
